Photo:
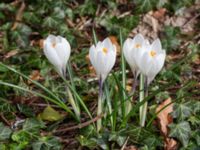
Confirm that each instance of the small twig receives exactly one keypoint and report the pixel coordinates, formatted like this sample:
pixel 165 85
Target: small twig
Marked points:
pixel 123 147
pixel 43 105
pixel 192 19
pixel 4 119
pixel 79 126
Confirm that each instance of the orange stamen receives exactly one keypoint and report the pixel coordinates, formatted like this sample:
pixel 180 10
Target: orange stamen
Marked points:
pixel 137 46
pixel 152 53
pixel 105 50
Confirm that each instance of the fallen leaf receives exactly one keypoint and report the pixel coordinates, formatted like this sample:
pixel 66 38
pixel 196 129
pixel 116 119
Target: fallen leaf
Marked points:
pixel 19 15
pixel 50 114
pixel 131 147
pixel 10 54
pixel 164 116
pixel 35 75
pixel 41 43
pixel 115 42
pixel 170 144
pixel 160 13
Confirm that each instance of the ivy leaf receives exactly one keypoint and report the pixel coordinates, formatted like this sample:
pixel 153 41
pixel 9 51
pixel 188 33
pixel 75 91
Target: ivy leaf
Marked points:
pixel 24 109
pixel 153 141
pixel 181 111
pixel 32 125
pixel 171 41
pixel 5 132
pixel 87 142
pixel 196 107
pixel 120 139
pixel 181 131
pixel 50 22
pixel 47 143
pixel 145 5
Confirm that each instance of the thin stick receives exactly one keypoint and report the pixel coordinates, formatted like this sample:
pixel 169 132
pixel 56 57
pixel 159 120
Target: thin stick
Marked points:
pixel 124 145
pixel 79 126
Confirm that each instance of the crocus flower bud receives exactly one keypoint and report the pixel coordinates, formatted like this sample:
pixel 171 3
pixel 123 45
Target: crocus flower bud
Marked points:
pixel 150 59
pixel 130 47
pixel 102 57
pixel 57 50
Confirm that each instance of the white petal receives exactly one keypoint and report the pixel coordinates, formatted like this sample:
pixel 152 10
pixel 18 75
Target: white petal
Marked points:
pixel 63 50
pixel 129 52
pixel 138 39
pixel 101 64
pixel 51 38
pixel 92 56
pixel 107 44
pixel 52 56
pixel 110 58
pixel 144 63
pixel 157 64
pixel 156 46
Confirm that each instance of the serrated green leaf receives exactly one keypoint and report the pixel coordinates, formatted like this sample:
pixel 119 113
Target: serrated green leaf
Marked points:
pixel 50 22
pixel 181 131
pixel 47 143
pixel 181 111
pixel 21 137
pixel 196 107
pixel 32 125
pixel 5 132
pixel 117 138
pixel 87 142
pixel 26 110
pixel 152 142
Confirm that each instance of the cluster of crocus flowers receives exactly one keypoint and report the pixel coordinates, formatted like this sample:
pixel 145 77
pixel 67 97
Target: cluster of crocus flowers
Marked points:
pixel 145 59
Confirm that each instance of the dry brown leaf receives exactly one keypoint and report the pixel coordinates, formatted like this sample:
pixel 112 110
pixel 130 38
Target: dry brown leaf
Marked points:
pixel 10 54
pixel 131 147
pixel 170 144
pixel 115 42
pixel 160 13
pixel 35 75
pixel 164 116
pixel 165 119
pixel 19 16
pixel 41 43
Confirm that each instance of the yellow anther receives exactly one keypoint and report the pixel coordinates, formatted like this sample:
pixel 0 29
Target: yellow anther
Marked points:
pixel 105 50
pixel 152 53
pixel 137 46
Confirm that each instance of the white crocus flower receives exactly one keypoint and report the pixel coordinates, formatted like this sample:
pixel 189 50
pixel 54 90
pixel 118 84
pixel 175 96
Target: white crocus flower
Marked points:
pixel 102 57
pixel 150 59
pixel 57 50
pixel 130 48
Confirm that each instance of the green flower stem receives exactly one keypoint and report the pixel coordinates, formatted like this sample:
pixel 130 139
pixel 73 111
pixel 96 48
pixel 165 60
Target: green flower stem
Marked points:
pixel 99 107
pixel 72 102
pixel 141 98
pixel 125 105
